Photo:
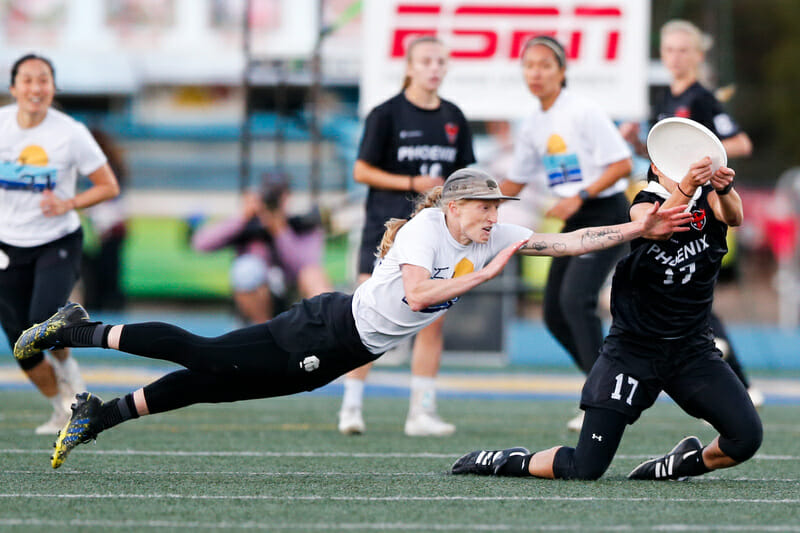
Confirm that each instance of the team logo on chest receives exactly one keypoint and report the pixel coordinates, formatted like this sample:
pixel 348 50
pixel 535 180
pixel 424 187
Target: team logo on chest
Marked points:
pixel 698 219
pixel 452 132
pixel 683 112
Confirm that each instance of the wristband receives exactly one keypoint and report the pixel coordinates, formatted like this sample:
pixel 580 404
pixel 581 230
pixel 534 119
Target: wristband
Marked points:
pixel 726 189
pixel 683 193
pixel 583 194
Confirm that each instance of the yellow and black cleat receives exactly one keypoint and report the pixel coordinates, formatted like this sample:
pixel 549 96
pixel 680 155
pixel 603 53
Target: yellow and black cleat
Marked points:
pixel 83 426
pixel 45 335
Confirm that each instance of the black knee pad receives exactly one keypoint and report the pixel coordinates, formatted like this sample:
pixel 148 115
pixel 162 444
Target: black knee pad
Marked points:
pixel 30 362
pixel 565 466
pixel 745 443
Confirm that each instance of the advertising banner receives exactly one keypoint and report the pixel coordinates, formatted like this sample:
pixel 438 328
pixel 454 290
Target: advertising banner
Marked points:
pixel 606 42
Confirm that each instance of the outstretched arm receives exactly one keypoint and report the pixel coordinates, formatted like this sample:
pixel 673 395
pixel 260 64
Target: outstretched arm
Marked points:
pixel 422 291
pixel 656 224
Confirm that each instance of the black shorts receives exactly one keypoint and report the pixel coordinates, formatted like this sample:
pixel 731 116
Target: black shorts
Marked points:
pixel 320 337
pixel 630 373
pixel 37 281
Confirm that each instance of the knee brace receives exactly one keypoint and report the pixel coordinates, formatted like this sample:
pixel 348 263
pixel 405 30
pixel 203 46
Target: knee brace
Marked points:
pixel 565 465
pixel 30 362
pixel 745 443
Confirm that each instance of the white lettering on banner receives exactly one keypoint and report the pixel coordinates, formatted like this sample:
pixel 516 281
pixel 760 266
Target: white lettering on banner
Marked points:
pixel 606 45
pixel 426 152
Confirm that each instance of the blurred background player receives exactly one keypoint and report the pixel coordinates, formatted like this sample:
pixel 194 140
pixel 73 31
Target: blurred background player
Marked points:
pixel 275 253
pixel 683 48
pixel 571 147
pixel 410 143
pixel 107 224
pixel 42 151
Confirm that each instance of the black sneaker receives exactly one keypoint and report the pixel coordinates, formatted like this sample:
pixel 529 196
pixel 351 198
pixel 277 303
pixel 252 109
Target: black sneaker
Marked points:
pixel 485 462
pixel 84 426
pixel 46 335
pixel 666 467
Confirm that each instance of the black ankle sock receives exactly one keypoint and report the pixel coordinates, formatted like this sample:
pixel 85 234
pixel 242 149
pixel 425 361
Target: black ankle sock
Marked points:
pixel 692 465
pixel 118 410
pixel 516 466
pixel 91 334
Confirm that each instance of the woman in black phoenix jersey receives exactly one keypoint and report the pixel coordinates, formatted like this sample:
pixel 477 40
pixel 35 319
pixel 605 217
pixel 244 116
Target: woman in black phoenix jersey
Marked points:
pixel 683 48
pixel 660 339
pixel 410 143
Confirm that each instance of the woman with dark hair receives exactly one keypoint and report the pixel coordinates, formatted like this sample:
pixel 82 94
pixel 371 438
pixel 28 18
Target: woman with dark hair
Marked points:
pixel 454 233
pixel 42 152
pixel 683 48
pixel 570 147
pixel 410 143
pixel 660 340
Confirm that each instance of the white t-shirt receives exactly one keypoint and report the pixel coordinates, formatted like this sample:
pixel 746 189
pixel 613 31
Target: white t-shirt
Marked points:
pixel 54 152
pixel 383 318
pixel 567 147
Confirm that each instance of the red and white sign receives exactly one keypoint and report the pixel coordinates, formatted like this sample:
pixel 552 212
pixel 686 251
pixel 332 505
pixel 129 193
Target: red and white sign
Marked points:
pixel 606 44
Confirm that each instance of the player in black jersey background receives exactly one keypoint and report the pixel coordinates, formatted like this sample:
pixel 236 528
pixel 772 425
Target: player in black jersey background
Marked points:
pixel 683 48
pixel 410 143
pixel 660 340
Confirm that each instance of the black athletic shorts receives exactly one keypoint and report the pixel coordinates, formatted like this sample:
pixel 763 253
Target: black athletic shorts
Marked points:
pixel 631 372
pixel 320 336
pixel 37 281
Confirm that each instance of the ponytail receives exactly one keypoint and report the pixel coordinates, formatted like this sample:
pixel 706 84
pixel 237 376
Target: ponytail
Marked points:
pixel 393 225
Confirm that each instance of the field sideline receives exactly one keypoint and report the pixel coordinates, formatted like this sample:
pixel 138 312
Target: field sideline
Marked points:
pixel 280 465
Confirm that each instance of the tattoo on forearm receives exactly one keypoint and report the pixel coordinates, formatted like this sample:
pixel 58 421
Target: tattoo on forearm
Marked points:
pixel 538 246
pixel 601 235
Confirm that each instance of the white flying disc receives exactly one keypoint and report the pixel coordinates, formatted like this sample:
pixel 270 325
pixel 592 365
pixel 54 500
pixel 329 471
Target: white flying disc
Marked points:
pixel 675 143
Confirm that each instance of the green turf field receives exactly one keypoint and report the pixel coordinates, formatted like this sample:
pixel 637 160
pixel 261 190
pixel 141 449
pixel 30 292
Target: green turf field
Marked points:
pixel 280 465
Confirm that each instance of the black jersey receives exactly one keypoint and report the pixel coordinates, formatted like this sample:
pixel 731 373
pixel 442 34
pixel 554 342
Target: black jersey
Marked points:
pixel 664 289
pixel 402 138
pixel 698 104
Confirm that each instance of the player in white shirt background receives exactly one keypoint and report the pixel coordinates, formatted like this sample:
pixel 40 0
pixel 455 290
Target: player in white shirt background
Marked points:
pixel 571 148
pixel 42 152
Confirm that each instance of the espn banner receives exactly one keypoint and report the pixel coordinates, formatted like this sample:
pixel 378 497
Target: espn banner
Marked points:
pixel 606 43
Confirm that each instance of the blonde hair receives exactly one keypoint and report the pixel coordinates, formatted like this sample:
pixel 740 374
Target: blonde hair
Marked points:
pixel 410 50
pixel 703 41
pixel 431 199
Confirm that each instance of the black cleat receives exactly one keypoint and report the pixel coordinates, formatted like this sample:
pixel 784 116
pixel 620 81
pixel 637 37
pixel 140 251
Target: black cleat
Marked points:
pixel 84 426
pixel 46 335
pixel 666 467
pixel 485 462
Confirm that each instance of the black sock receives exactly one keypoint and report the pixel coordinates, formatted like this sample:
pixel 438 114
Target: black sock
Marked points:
pixel 118 410
pixel 516 466
pixel 92 334
pixel 692 465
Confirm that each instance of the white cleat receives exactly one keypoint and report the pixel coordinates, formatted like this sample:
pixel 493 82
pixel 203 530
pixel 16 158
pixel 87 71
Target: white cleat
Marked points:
pixel 575 424
pixel 57 421
pixel 351 422
pixel 424 424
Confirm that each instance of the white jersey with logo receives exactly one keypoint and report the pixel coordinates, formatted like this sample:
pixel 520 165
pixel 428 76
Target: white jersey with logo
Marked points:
pixel 383 318
pixel 567 147
pixel 49 155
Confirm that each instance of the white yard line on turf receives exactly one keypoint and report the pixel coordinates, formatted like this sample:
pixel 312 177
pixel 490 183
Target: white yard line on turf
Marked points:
pixel 357 455
pixel 399 498
pixel 46 472
pixel 400 526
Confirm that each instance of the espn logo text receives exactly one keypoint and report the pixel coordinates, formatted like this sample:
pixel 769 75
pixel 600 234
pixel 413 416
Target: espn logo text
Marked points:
pixel 483 31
